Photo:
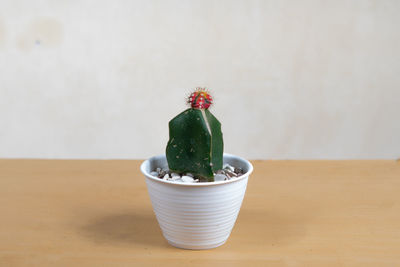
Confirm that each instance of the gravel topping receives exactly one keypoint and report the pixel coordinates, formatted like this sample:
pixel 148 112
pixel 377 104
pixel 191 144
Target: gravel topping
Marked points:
pixel 228 172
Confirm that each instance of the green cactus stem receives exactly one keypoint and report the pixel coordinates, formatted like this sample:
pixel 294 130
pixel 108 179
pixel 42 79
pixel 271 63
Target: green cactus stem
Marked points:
pixel 195 139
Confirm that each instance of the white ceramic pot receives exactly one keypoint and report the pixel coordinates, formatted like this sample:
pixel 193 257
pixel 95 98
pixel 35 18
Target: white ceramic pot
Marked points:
pixel 196 215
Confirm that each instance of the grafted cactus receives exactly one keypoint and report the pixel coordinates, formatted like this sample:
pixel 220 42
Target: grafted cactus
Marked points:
pixel 195 139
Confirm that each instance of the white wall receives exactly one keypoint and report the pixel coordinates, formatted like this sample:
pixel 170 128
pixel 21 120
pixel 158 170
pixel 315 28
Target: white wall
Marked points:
pixel 291 79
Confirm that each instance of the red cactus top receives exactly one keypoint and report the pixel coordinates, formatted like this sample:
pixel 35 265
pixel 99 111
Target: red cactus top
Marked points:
pixel 200 99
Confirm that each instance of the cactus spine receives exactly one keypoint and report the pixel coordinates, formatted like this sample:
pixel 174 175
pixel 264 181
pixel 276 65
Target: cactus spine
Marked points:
pixel 195 139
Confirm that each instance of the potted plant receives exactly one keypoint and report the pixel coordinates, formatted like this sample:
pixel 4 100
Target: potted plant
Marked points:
pixel 196 190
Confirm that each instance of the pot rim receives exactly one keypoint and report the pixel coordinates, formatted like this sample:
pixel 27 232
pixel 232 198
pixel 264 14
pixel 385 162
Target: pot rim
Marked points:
pixel 154 178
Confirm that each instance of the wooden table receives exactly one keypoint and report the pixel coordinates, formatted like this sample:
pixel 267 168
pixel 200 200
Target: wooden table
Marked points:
pixel 295 213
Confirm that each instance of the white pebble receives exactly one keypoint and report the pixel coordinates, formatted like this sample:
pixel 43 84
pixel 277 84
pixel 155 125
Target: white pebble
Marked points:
pixel 175 178
pixel 166 177
pixel 154 173
pixel 158 169
pixel 175 175
pixel 229 167
pixel 187 179
pixel 219 177
pixel 189 174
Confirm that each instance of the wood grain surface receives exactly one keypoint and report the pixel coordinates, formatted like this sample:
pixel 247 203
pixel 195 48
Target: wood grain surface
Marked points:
pixel 295 213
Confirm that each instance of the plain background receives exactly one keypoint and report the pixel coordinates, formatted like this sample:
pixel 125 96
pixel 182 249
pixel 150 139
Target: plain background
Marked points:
pixel 291 79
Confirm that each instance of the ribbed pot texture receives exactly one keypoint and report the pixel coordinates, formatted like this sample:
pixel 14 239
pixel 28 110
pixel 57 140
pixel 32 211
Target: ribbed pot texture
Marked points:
pixel 196 215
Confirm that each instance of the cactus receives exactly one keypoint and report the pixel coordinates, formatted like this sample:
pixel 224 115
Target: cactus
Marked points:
pixel 195 139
